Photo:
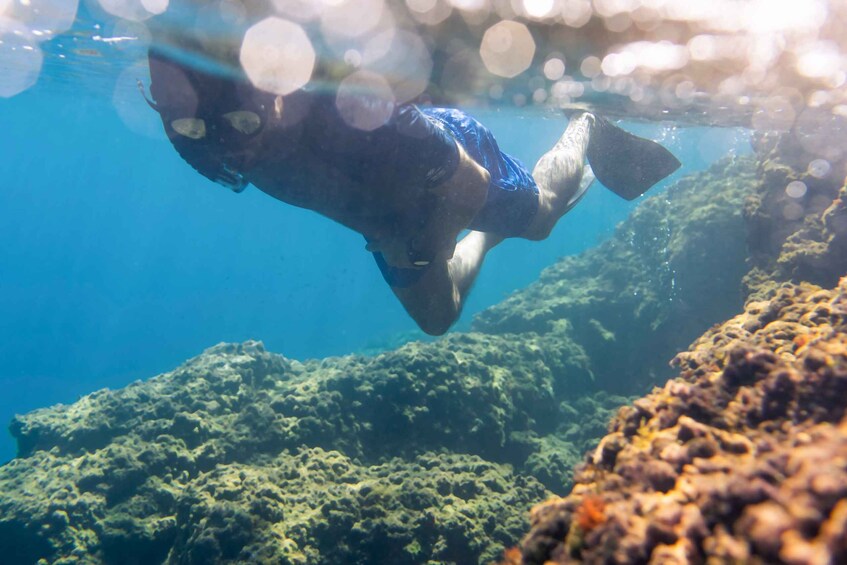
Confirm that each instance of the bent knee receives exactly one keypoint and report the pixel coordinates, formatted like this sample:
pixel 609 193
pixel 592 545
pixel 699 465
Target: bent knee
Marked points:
pixel 541 225
pixel 435 327
pixel 538 232
pixel 436 322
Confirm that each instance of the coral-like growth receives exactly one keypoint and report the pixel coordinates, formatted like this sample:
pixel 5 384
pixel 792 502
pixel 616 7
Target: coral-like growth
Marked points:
pixel 590 513
pixel 511 556
pixel 743 458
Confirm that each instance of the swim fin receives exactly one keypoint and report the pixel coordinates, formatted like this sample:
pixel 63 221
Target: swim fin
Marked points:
pixel 624 163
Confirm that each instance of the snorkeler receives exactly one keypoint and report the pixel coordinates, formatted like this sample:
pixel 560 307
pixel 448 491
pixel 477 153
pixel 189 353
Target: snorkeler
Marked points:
pixel 410 186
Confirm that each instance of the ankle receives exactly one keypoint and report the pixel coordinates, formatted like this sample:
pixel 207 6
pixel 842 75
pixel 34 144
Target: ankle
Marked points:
pixel 582 123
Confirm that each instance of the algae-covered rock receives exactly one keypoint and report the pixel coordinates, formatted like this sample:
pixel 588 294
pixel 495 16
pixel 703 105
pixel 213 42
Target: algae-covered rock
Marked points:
pixel 431 453
pixel 426 453
pixel 306 506
pixel 672 269
pixel 742 459
pixel 796 217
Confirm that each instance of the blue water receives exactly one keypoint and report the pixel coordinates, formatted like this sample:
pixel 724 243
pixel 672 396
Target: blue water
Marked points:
pixel 119 261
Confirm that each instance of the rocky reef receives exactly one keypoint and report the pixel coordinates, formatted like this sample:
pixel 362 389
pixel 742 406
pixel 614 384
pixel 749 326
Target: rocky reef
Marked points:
pixel 433 452
pixel 797 216
pixel 672 270
pixel 741 459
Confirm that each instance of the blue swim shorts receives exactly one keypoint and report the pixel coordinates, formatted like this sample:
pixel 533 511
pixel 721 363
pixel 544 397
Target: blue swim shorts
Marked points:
pixel 512 195
pixel 512 200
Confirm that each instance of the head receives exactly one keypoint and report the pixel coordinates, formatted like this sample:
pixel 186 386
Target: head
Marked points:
pixel 214 122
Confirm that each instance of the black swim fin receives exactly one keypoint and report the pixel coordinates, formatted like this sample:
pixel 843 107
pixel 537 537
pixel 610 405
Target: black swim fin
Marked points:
pixel 626 164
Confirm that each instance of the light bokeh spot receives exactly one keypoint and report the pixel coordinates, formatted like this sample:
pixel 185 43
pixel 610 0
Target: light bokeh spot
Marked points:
pixel 21 63
pixel 49 17
pixel 403 59
pixel 507 49
pixel 128 9
pixel 819 60
pixel 590 66
pixel 793 211
pixel 277 56
pixel 299 10
pixel 796 189
pixel 554 68
pixel 352 18
pixel 365 100
pixel 429 12
pixel 819 168
pixel 468 5
pixel 155 7
pixel 131 107
pixel 421 6
pixel 538 8
pixel 576 13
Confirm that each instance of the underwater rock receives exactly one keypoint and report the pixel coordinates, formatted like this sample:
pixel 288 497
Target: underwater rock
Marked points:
pixel 428 452
pixel 672 269
pixel 742 458
pixel 797 216
pixel 432 452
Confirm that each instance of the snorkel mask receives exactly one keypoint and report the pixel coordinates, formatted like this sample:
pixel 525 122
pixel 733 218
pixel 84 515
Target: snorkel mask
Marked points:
pixel 212 121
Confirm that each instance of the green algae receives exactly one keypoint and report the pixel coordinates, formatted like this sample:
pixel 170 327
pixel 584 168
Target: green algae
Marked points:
pixel 795 239
pixel 244 455
pixel 671 270
pixel 428 453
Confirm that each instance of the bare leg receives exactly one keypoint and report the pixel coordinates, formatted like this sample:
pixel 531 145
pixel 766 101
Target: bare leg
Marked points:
pixel 457 201
pixel 558 174
pixel 436 300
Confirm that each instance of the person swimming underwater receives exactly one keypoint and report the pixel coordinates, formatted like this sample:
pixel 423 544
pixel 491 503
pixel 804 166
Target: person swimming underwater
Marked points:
pixel 410 186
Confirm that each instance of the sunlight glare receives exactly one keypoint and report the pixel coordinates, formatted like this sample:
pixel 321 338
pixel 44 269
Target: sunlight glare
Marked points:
pixel 576 13
pixel 128 9
pixel 403 60
pixel 365 100
pixel 819 59
pixel 155 7
pixel 507 49
pixel 277 56
pixel 554 68
pixel 43 20
pixel 352 18
pixel 21 63
pixel 538 8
